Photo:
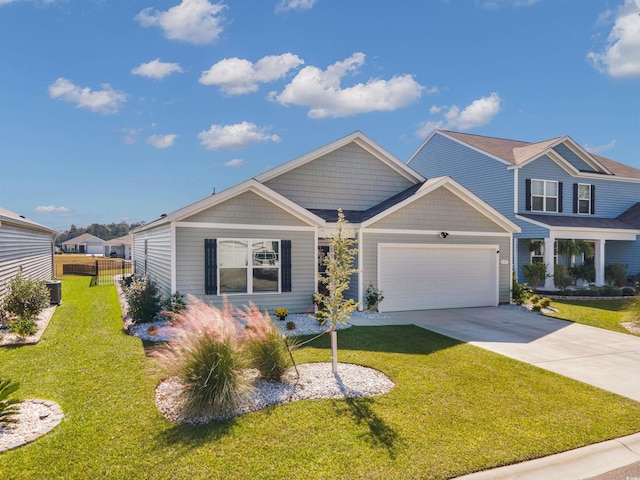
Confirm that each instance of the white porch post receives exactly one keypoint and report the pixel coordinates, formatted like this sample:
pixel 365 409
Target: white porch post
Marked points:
pixel 599 261
pixel 549 244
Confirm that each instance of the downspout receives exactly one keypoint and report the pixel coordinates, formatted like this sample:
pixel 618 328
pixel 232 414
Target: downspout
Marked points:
pixel 360 273
pixel 174 280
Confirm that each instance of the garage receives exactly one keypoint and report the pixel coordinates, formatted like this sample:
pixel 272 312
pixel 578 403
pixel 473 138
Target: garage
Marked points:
pixel 425 277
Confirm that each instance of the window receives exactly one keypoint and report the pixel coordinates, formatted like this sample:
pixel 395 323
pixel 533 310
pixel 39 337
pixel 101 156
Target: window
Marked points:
pixel 248 266
pixel 584 198
pixel 544 195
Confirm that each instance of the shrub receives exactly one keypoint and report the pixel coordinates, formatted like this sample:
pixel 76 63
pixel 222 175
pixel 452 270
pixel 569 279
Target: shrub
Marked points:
pixel 536 307
pixel 291 326
pixel 8 406
pixel 628 291
pixel 265 346
pixel 26 298
pixel 584 272
pixel 206 357
pixel 616 274
pixel 175 303
pixel 545 302
pixel 519 291
pixel 373 298
pixel 143 298
pixel 281 313
pixel 535 299
pixel 535 273
pixel 561 276
pixel 23 327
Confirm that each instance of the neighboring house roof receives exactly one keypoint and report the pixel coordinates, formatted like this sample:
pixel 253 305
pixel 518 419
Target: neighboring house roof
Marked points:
pixel 15 219
pixel 517 152
pixel 84 238
pixel 124 240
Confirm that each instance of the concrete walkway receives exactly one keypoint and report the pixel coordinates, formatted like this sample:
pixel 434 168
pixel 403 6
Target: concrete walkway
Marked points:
pixel 605 359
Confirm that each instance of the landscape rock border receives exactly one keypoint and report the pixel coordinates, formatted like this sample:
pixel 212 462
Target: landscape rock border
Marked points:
pixel 34 419
pixel 42 322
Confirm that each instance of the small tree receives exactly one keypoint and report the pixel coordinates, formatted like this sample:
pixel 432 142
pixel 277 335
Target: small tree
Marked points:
pixel 534 273
pixel 519 291
pixel 143 298
pixel 339 262
pixel 561 277
pixel 26 297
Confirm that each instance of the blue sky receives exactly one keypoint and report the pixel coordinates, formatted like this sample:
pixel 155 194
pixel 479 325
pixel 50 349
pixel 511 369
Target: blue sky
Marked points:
pixel 117 110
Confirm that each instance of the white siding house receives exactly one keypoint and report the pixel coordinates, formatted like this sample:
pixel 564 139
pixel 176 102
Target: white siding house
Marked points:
pixel 25 246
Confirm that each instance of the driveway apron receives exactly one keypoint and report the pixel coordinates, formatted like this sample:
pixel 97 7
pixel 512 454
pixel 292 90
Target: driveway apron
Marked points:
pixel 605 359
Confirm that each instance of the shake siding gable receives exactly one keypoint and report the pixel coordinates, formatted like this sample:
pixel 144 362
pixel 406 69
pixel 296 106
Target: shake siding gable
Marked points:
pixel 349 178
pixel 158 256
pixel 439 210
pixel 247 208
pixel 484 176
pixel 27 249
pixel 190 270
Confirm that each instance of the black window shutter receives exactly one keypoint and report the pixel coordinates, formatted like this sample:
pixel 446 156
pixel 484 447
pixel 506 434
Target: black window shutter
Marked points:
pixel 593 199
pixel 560 197
pixel 285 271
pixel 527 194
pixel 210 266
pixel 575 198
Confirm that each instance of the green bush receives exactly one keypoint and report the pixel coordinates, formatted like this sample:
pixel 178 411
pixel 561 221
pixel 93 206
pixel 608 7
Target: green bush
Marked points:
pixel 616 274
pixel 23 327
pixel 628 291
pixel 561 276
pixel 373 298
pixel 535 273
pixel 291 325
pixel 143 299
pixel 175 303
pixel 26 298
pixel 265 346
pixel 535 299
pixel 584 272
pixel 8 406
pixel 545 302
pixel 519 291
pixel 207 358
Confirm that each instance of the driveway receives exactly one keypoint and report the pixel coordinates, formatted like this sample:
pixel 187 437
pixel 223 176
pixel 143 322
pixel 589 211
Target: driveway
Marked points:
pixel 605 359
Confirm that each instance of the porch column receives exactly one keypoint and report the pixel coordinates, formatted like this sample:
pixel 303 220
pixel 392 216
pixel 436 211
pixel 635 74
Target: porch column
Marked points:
pixel 549 244
pixel 599 262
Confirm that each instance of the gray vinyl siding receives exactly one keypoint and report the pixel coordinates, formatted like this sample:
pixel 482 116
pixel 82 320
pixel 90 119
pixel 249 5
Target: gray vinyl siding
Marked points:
pixel 246 208
pixel 572 158
pixel 624 252
pixel 349 178
pixel 370 254
pixel 611 198
pixel 190 267
pixel 24 248
pixel 486 177
pixel 158 256
pixel 439 210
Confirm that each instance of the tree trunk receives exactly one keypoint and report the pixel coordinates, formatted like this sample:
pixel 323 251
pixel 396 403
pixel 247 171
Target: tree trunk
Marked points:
pixel 334 351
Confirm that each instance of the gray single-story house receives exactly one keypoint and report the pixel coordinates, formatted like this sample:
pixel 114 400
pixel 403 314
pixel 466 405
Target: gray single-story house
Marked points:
pixel 85 243
pixel 426 243
pixel 25 246
pixel 119 247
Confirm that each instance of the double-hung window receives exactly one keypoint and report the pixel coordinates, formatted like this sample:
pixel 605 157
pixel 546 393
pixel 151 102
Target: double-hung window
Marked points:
pixel 248 266
pixel 584 198
pixel 544 195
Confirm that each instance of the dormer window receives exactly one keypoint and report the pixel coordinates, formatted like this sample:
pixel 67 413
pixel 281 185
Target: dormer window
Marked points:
pixel 544 196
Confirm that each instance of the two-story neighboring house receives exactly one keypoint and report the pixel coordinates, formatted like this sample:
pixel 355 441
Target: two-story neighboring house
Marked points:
pixel 554 190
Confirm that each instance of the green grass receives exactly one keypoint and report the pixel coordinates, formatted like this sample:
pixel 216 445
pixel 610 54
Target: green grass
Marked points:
pixel 607 314
pixel 455 409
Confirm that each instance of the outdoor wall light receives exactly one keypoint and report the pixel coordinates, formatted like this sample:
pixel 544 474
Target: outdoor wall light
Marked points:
pixel 444 234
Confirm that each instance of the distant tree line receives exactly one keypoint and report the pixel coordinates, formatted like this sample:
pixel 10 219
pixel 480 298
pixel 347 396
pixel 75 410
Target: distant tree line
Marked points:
pixel 105 231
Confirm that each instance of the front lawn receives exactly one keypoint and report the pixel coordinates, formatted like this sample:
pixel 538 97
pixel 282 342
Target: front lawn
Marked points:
pixel 607 314
pixel 455 409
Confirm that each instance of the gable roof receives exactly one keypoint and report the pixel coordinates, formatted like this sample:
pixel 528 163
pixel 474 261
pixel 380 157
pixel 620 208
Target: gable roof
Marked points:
pixel 124 240
pixel 631 216
pixel 13 218
pixel 518 153
pixel 84 238
pixel 359 139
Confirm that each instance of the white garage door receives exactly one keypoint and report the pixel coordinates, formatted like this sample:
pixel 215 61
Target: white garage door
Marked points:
pixel 421 277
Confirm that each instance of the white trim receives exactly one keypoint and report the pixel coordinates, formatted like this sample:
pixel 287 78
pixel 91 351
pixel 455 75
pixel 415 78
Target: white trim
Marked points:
pixel 436 233
pixel 315 263
pixel 516 190
pixel 458 190
pixel 359 139
pixel 360 270
pixel 244 226
pixel 174 277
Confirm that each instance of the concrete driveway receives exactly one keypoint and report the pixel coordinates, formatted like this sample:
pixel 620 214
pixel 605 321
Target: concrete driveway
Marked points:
pixel 605 359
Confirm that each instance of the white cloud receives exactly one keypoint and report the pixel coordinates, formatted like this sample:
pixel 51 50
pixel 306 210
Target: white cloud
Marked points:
pixel 597 149
pixel 52 210
pixel 321 91
pixel 234 137
pixel 620 57
pixel 162 141
pixel 156 69
pixel 237 76
pixel 193 21
pixel 298 5
pixel 44 2
pixel 477 113
pixel 106 101
pixel 236 162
